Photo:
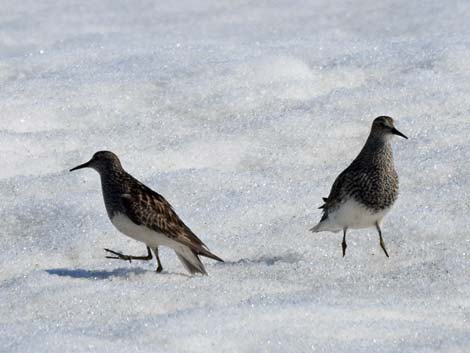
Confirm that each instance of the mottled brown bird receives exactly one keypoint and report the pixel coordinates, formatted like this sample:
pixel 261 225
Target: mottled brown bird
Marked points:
pixel 364 192
pixel 144 215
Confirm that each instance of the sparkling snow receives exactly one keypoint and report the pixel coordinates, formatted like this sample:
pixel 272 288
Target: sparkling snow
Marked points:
pixel 241 113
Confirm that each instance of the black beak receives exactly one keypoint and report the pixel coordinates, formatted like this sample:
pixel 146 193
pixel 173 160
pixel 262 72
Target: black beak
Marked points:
pixel 396 132
pixel 84 165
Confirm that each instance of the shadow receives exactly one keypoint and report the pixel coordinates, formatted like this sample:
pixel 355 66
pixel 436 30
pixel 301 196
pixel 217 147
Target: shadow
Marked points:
pixel 95 274
pixel 266 260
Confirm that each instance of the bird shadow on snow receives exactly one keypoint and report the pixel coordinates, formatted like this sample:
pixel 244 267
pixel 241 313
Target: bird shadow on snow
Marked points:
pixel 289 258
pixel 123 272
pixel 95 274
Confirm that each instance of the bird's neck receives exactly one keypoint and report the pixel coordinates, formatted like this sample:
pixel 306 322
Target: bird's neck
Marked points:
pixel 112 184
pixel 112 178
pixel 377 150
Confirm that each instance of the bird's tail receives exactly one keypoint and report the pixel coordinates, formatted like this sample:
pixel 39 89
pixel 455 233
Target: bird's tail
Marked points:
pixel 190 260
pixel 321 225
pixel 316 229
pixel 325 225
pixel 205 252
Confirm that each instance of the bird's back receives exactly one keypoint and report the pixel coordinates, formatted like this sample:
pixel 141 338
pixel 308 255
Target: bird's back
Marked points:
pixel 126 195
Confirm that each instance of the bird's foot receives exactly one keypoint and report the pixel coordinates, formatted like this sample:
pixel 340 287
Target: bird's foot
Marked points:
pixel 118 256
pixel 159 269
pixel 382 245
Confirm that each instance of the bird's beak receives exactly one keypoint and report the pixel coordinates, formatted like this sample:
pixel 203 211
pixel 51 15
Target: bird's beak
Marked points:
pixel 396 132
pixel 84 165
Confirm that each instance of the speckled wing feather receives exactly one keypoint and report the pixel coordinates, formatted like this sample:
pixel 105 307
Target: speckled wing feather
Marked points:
pixel 374 186
pixel 347 183
pixel 148 208
pixel 335 196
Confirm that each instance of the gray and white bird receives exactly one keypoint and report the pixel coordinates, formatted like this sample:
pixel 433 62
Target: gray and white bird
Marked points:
pixel 364 192
pixel 144 215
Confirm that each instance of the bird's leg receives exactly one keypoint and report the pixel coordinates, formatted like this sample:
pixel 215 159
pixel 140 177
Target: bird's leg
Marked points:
pixel 343 244
pixel 129 258
pixel 382 244
pixel 159 264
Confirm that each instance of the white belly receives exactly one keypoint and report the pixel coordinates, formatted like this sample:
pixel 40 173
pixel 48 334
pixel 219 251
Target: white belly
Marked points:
pixel 141 233
pixel 351 214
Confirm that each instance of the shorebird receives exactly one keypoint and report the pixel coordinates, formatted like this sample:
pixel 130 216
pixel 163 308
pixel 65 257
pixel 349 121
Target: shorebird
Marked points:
pixel 144 215
pixel 364 192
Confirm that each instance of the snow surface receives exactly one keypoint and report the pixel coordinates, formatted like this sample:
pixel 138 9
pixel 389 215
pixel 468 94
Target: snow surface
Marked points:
pixel 241 113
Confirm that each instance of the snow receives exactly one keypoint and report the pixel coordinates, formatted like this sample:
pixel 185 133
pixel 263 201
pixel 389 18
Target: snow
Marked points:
pixel 241 114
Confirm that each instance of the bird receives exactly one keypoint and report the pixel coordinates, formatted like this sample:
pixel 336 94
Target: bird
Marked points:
pixel 144 215
pixel 363 194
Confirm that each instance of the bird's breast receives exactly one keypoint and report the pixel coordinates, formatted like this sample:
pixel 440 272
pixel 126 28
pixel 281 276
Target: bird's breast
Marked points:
pixel 377 189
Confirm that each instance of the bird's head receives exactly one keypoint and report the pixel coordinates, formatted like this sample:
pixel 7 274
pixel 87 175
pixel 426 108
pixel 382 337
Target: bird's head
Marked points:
pixel 384 126
pixel 101 161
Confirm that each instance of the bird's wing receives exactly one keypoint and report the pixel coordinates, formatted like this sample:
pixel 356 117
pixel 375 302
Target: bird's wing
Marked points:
pixel 351 181
pixel 336 193
pixel 148 208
